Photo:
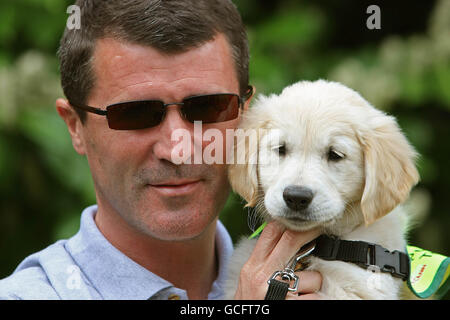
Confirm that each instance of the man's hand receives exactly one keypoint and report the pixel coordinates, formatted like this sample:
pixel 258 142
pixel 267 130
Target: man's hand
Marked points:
pixel 275 247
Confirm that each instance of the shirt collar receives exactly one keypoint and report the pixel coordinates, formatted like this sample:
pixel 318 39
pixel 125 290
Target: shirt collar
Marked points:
pixel 116 277
pixel 224 249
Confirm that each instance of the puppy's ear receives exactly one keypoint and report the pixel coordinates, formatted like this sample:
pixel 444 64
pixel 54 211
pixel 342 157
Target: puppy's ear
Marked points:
pixel 390 172
pixel 242 171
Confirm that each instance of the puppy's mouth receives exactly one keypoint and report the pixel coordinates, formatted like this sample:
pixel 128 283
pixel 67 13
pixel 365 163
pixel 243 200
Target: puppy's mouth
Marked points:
pixel 300 220
pixel 302 216
pixel 304 220
pixel 299 224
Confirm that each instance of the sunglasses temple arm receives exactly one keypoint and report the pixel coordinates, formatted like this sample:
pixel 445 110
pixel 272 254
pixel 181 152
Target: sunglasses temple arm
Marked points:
pixel 89 109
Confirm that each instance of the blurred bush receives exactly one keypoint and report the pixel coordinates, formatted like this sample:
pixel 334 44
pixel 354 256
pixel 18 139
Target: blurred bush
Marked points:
pixel 404 68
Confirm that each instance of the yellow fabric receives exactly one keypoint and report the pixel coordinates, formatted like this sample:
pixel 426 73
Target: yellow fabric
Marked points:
pixel 429 272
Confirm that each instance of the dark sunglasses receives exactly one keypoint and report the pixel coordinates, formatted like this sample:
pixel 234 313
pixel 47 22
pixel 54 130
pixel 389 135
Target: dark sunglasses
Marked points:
pixel 134 115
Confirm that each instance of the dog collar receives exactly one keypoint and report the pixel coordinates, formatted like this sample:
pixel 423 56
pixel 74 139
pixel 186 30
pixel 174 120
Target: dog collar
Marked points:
pixel 425 272
pixel 366 255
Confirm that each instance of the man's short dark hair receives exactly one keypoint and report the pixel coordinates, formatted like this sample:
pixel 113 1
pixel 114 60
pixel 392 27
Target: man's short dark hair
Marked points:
pixel 170 26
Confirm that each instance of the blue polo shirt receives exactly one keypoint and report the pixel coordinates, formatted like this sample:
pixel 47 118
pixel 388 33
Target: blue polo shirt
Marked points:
pixel 87 266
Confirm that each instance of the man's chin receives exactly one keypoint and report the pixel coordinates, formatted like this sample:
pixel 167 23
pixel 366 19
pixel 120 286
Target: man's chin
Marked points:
pixel 180 226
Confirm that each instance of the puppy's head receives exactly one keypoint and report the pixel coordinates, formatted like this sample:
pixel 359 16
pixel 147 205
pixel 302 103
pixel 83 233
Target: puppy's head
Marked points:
pixel 322 156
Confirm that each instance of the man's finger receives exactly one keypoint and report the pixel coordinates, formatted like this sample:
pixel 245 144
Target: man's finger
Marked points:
pixel 309 296
pixel 309 281
pixel 288 245
pixel 267 241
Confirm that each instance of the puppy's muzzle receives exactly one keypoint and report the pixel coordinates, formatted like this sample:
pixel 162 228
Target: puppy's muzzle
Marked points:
pixel 297 198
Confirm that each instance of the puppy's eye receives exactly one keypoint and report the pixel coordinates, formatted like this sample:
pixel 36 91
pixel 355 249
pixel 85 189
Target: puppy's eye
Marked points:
pixel 334 155
pixel 281 149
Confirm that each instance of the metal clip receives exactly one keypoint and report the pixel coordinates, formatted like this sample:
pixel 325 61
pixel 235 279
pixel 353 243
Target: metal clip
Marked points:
pixel 288 274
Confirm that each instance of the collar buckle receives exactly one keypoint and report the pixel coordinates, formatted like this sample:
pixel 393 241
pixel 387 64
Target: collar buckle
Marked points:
pixel 395 262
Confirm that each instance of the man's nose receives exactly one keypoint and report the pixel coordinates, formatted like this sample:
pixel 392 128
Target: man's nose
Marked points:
pixel 176 137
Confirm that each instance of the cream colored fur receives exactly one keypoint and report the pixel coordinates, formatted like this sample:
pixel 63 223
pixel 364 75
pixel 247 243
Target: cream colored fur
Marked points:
pixel 355 198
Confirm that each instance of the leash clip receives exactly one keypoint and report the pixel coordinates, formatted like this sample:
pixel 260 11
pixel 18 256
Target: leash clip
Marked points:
pixel 288 274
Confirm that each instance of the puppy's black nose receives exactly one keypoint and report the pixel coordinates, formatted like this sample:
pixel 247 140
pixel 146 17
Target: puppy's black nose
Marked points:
pixel 297 197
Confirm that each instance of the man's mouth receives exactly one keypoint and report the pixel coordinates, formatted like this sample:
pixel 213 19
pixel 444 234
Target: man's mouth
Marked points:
pixel 176 188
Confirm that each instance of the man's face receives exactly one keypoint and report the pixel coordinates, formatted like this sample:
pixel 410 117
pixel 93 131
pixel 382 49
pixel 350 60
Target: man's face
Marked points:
pixel 133 173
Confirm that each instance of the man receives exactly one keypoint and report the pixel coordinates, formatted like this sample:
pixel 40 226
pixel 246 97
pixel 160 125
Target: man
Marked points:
pixel 154 233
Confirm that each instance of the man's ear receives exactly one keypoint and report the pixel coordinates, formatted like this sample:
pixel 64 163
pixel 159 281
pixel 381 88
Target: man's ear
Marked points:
pixel 252 91
pixel 74 125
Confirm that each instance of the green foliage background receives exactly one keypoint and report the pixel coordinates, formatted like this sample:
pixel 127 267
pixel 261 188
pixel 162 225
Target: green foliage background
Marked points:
pixel 404 69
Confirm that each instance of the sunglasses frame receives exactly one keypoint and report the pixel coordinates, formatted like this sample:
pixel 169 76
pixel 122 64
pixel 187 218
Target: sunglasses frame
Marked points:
pixel 102 112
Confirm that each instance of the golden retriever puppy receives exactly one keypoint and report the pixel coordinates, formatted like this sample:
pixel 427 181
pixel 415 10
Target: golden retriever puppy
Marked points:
pixel 341 165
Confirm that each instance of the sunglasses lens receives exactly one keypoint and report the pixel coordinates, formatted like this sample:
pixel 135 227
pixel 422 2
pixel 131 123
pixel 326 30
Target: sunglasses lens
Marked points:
pixel 135 115
pixel 211 108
